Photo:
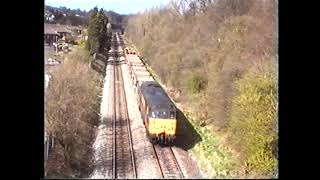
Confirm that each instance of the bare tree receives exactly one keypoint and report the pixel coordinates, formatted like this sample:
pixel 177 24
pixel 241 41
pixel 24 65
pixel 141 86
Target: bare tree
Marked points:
pixel 204 4
pixel 176 8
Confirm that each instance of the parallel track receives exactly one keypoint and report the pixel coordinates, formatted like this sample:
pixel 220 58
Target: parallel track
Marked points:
pixel 123 161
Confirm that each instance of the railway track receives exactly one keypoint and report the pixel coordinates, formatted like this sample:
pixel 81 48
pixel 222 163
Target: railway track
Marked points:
pixel 167 162
pixel 123 153
pixel 122 161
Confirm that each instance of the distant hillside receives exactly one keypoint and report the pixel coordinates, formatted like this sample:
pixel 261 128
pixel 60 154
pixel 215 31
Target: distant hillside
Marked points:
pixel 65 15
pixel 77 17
pixel 117 20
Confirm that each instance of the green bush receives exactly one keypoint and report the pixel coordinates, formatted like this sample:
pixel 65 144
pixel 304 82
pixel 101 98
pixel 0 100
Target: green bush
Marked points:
pixel 253 124
pixel 87 45
pixel 196 83
pixel 70 39
pixel 80 55
pixel 214 160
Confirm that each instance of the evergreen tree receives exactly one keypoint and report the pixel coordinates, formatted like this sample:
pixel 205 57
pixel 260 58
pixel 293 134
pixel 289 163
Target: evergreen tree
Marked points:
pixel 98 32
pixel 103 21
pixel 93 32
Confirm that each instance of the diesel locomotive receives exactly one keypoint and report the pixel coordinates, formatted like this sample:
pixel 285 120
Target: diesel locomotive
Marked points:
pixel 158 113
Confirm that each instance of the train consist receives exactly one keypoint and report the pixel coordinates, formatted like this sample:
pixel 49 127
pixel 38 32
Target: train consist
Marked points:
pixel 157 110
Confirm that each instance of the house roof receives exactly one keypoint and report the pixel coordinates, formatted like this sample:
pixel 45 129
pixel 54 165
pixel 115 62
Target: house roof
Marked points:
pixel 55 28
pixel 48 30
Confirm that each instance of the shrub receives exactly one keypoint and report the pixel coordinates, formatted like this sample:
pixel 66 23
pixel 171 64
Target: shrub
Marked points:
pixel 215 160
pixel 80 42
pixel 196 83
pixel 80 56
pixel 71 112
pixel 70 39
pixel 146 47
pixel 174 69
pixel 254 121
pixel 87 45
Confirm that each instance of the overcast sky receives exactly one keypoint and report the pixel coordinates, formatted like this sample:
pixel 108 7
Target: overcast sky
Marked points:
pixel 119 6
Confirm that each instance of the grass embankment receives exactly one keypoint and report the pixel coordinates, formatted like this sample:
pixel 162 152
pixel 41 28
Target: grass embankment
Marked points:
pixel 214 159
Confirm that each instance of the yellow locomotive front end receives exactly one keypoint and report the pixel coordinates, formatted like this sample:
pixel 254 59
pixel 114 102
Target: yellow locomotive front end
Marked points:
pixel 162 126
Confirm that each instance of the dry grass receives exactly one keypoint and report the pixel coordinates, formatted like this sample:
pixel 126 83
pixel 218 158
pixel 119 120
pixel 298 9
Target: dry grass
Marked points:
pixel 72 106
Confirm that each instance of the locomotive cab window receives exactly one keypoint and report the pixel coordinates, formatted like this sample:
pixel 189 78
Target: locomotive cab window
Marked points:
pixel 160 114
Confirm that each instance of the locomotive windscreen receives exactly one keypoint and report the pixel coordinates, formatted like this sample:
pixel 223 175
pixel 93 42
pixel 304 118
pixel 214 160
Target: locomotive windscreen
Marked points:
pixel 162 114
pixel 156 97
